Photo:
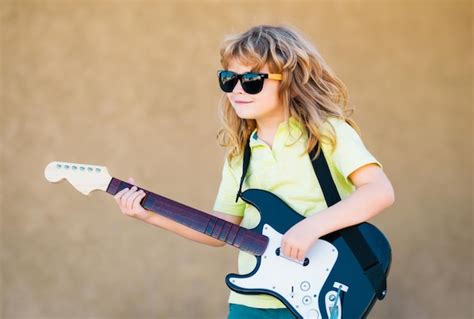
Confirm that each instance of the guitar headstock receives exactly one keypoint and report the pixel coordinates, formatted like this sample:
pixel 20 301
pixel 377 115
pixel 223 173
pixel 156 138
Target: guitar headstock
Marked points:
pixel 84 177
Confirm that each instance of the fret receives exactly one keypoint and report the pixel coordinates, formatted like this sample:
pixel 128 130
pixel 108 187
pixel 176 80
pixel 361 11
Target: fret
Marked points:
pixel 200 221
pixel 210 226
pixel 218 228
pixel 225 232
pixel 239 238
pixel 233 232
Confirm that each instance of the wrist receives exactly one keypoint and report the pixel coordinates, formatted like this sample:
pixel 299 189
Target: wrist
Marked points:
pixel 144 216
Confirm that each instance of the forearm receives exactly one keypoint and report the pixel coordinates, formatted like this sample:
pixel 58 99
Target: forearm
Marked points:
pixel 373 194
pixel 364 203
pixel 129 203
pixel 181 230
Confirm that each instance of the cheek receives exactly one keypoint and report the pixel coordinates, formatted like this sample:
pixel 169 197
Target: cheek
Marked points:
pixel 271 95
pixel 229 97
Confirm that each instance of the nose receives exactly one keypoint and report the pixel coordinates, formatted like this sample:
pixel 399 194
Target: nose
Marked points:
pixel 238 88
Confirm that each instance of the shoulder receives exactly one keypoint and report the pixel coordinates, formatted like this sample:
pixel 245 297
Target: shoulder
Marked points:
pixel 334 130
pixel 347 150
pixel 336 125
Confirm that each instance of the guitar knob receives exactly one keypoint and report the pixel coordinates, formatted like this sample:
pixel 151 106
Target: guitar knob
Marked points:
pixel 307 300
pixel 305 286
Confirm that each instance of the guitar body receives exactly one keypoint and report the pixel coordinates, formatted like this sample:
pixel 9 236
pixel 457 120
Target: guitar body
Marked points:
pixel 330 284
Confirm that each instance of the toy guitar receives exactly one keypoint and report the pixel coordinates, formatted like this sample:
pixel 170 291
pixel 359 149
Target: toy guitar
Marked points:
pixel 330 283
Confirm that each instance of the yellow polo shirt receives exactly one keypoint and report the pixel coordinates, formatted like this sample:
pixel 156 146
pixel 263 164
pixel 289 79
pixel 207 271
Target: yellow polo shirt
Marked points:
pixel 286 170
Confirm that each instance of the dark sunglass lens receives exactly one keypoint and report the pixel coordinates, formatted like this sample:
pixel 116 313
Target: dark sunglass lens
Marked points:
pixel 227 81
pixel 252 83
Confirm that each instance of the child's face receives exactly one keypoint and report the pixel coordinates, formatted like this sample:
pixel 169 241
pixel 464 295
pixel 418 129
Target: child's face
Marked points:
pixel 262 106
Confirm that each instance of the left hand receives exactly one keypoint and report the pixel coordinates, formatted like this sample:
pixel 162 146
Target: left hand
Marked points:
pixel 297 241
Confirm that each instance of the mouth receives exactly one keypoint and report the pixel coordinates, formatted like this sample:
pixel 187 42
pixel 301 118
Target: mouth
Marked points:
pixel 242 102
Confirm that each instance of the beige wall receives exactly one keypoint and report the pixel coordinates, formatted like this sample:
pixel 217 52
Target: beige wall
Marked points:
pixel 131 85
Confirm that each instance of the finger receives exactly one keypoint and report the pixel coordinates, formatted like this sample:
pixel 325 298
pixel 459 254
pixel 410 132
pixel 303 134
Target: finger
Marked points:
pixel 130 196
pixel 118 197
pixel 124 199
pixel 131 181
pixel 131 201
pixel 300 255
pixel 136 202
pixel 119 194
pixel 292 253
pixel 287 250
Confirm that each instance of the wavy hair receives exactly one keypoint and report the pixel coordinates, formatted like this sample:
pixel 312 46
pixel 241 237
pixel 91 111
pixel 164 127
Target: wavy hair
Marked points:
pixel 310 90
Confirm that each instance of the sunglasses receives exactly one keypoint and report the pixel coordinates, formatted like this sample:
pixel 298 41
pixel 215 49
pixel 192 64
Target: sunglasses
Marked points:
pixel 251 82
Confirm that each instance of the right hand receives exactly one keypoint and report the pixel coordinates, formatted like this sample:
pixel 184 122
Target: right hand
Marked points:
pixel 128 201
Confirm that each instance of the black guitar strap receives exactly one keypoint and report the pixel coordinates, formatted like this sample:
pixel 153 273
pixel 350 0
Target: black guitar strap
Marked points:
pixel 352 235
pixel 245 166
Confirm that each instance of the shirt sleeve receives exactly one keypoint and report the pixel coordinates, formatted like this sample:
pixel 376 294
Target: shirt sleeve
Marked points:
pixel 350 152
pixel 225 200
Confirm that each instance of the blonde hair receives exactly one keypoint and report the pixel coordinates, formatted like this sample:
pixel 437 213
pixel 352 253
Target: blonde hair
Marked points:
pixel 310 91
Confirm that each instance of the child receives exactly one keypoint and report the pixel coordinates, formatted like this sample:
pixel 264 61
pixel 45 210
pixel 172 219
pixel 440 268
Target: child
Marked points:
pixel 296 104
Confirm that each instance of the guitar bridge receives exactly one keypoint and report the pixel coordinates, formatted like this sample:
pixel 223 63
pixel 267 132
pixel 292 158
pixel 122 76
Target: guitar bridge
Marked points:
pixel 333 301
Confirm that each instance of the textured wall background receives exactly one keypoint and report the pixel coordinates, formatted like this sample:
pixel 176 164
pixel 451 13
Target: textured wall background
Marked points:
pixel 131 85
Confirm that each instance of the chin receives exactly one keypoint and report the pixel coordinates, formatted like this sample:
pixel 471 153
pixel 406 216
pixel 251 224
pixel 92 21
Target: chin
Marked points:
pixel 245 114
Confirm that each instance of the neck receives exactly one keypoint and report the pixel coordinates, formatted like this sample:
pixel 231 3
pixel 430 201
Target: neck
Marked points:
pixel 232 234
pixel 268 127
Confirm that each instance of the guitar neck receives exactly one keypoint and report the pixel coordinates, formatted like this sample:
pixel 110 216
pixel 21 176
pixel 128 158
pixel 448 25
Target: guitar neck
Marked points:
pixel 202 222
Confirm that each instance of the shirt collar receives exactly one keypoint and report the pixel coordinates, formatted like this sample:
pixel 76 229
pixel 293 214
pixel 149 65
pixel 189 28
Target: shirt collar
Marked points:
pixel 288 131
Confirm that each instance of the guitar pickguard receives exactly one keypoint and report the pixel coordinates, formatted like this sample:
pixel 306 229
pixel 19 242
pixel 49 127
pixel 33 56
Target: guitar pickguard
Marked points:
pixel 290 280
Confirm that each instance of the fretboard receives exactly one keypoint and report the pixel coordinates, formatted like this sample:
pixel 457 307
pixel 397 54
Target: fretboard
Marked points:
pixel 202 222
